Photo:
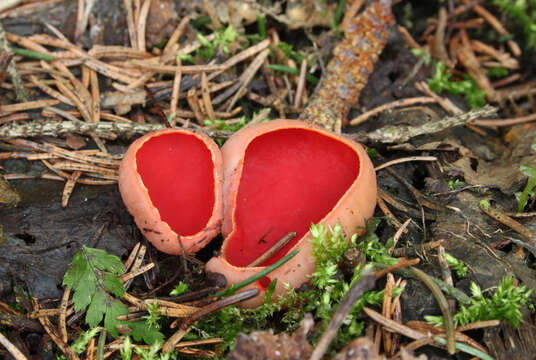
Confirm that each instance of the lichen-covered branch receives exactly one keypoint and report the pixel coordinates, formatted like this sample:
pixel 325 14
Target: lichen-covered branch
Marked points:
pixel 104 129
pixel 396 134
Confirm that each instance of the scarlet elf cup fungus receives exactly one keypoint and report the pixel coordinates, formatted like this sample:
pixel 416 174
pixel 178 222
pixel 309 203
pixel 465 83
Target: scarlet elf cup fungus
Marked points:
pixel 171 182
pixel 269 179
pixel 280 177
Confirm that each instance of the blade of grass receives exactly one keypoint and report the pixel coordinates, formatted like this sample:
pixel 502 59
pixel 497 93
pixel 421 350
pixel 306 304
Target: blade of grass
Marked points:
pixel 230 290
pixel 286 69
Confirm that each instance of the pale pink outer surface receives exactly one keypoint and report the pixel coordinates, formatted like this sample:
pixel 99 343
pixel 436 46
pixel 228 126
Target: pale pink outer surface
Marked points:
pixel 353 208
pixel 147 217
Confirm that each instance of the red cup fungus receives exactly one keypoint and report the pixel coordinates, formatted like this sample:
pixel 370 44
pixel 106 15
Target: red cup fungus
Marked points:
pixel 171 182
pixel 278 177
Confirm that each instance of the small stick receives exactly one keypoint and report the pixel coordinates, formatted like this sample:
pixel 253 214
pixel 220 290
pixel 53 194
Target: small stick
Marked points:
pixel 506 122
pixel 205 93
pixel 49 91
pixel 132 274
pixel 394 326
pixel 27 43
pixel 248 75
pixel 175 92
pixel 142 22
pixel 90 352
pixel 68 165
pixel 137 264
pixel 75 99
pixel 174 38
pixel 170 69
pixel 402 264
pixel 47 325
pixel 301 84
pixel 174 339
pixel 498 26
pixel 95 96
pixel 69 187
pixel 398 234
pixel 479 325
pixel 439 38
pixel 508 221
pixel 13 350
pixel 28 105
pixel 63 314
pixel 78 31
pixel 133 36
pixel 387 212
pixel 390 106
pixel 131 257
pixel 275 248
pixel 387 307
pixel 194 105
pixel 406 159
pixel 397 312
pixel 220 304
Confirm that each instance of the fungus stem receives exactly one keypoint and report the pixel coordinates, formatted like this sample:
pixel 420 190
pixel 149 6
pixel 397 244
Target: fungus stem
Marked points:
pixel 231 289
pixel 277 246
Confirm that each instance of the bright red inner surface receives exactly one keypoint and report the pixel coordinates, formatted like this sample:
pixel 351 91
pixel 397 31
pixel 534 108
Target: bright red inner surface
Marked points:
pixel 178 171
pixel 291 178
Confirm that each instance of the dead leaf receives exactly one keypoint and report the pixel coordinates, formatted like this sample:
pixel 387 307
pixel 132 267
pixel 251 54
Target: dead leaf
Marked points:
pixel 75 142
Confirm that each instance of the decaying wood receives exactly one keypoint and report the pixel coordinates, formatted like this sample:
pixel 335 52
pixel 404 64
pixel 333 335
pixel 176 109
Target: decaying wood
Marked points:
pixel 347 73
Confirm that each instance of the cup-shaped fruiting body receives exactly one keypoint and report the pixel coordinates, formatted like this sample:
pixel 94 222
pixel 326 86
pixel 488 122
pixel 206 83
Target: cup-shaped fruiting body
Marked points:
pixel 279 177
pixel 171 182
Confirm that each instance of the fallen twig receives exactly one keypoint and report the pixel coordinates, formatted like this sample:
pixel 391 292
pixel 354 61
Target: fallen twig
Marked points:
pixel 403 133
pixel 118 129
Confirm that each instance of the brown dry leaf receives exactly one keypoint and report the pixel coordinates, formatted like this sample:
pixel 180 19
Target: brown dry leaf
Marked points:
pixel 75 142
pixel 267 346
pixel 161 22
pixel 360 349
pixel 309 13
pixel 236 13
pixel 503 173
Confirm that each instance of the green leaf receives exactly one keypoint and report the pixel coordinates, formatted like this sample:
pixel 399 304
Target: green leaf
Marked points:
pixel 533 145
pixel 114 285
pixel 85 287
pixel 141 331
pixel 179 289
pixel 203 40
pixel 96 309
pixel 114 308
pixel 528 191
pixel 104 261
pixel 93 277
